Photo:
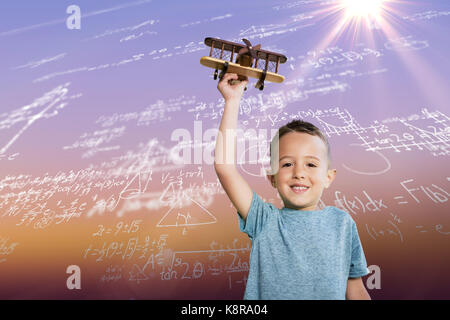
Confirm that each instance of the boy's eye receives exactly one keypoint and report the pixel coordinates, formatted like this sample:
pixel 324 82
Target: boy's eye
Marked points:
pixel 287 164
pixel 311 165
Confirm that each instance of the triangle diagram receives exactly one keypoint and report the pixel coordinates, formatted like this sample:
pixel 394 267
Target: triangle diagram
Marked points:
pixel 194 215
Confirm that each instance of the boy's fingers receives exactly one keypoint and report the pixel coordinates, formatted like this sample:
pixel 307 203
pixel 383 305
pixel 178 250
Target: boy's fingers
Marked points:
pixel 243 82
pixel 234 80
pixel 229 76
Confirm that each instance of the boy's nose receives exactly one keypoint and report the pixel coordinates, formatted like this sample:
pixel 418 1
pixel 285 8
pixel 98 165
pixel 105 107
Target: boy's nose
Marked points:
pixel 299 173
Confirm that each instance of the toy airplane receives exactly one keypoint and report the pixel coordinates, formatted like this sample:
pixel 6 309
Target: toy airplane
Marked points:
pixel 264 68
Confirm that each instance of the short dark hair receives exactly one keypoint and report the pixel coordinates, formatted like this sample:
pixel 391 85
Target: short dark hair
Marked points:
pixel 303 127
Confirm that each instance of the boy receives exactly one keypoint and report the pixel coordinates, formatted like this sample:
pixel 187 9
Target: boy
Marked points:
pixel 298 252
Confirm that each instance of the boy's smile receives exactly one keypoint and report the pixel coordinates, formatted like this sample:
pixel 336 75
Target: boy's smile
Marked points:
pixel 303 170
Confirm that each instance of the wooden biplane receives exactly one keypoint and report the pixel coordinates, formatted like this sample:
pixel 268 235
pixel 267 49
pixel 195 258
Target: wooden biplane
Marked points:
pixel 250 61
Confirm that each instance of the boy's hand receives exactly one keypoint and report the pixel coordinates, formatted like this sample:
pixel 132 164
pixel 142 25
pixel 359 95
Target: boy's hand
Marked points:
pixel 231 87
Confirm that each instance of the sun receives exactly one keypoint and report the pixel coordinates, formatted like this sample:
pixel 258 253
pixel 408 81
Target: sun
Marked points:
pixel 362 8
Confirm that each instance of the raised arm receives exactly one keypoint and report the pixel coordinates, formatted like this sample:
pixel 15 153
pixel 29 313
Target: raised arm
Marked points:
pixel 232 182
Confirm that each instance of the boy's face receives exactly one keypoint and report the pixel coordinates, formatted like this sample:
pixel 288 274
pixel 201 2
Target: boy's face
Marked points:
pixel 303 171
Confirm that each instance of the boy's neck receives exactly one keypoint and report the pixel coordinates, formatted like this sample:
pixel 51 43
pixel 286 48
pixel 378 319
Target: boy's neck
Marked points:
pixel 312 208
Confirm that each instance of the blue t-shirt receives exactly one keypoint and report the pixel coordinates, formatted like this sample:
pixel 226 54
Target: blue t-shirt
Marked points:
pixel 301 255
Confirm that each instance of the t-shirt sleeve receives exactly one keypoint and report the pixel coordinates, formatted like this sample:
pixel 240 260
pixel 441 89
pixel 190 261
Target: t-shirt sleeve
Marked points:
pixel 258 216
pixel 358 264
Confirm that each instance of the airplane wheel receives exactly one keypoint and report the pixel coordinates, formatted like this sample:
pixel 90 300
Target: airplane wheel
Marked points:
pixel 215 74
pixel 261 87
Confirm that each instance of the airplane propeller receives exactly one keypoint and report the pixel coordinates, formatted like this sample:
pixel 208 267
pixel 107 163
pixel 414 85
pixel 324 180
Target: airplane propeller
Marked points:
pixel 251 50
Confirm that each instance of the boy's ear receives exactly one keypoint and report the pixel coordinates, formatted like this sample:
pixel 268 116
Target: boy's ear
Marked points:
pixel 331 175
pixel 271 179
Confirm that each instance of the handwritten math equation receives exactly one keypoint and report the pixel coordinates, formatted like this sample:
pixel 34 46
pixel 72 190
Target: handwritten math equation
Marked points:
pixel 133 247
pixel 413 192
pixel 6 248
pixel 152 259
